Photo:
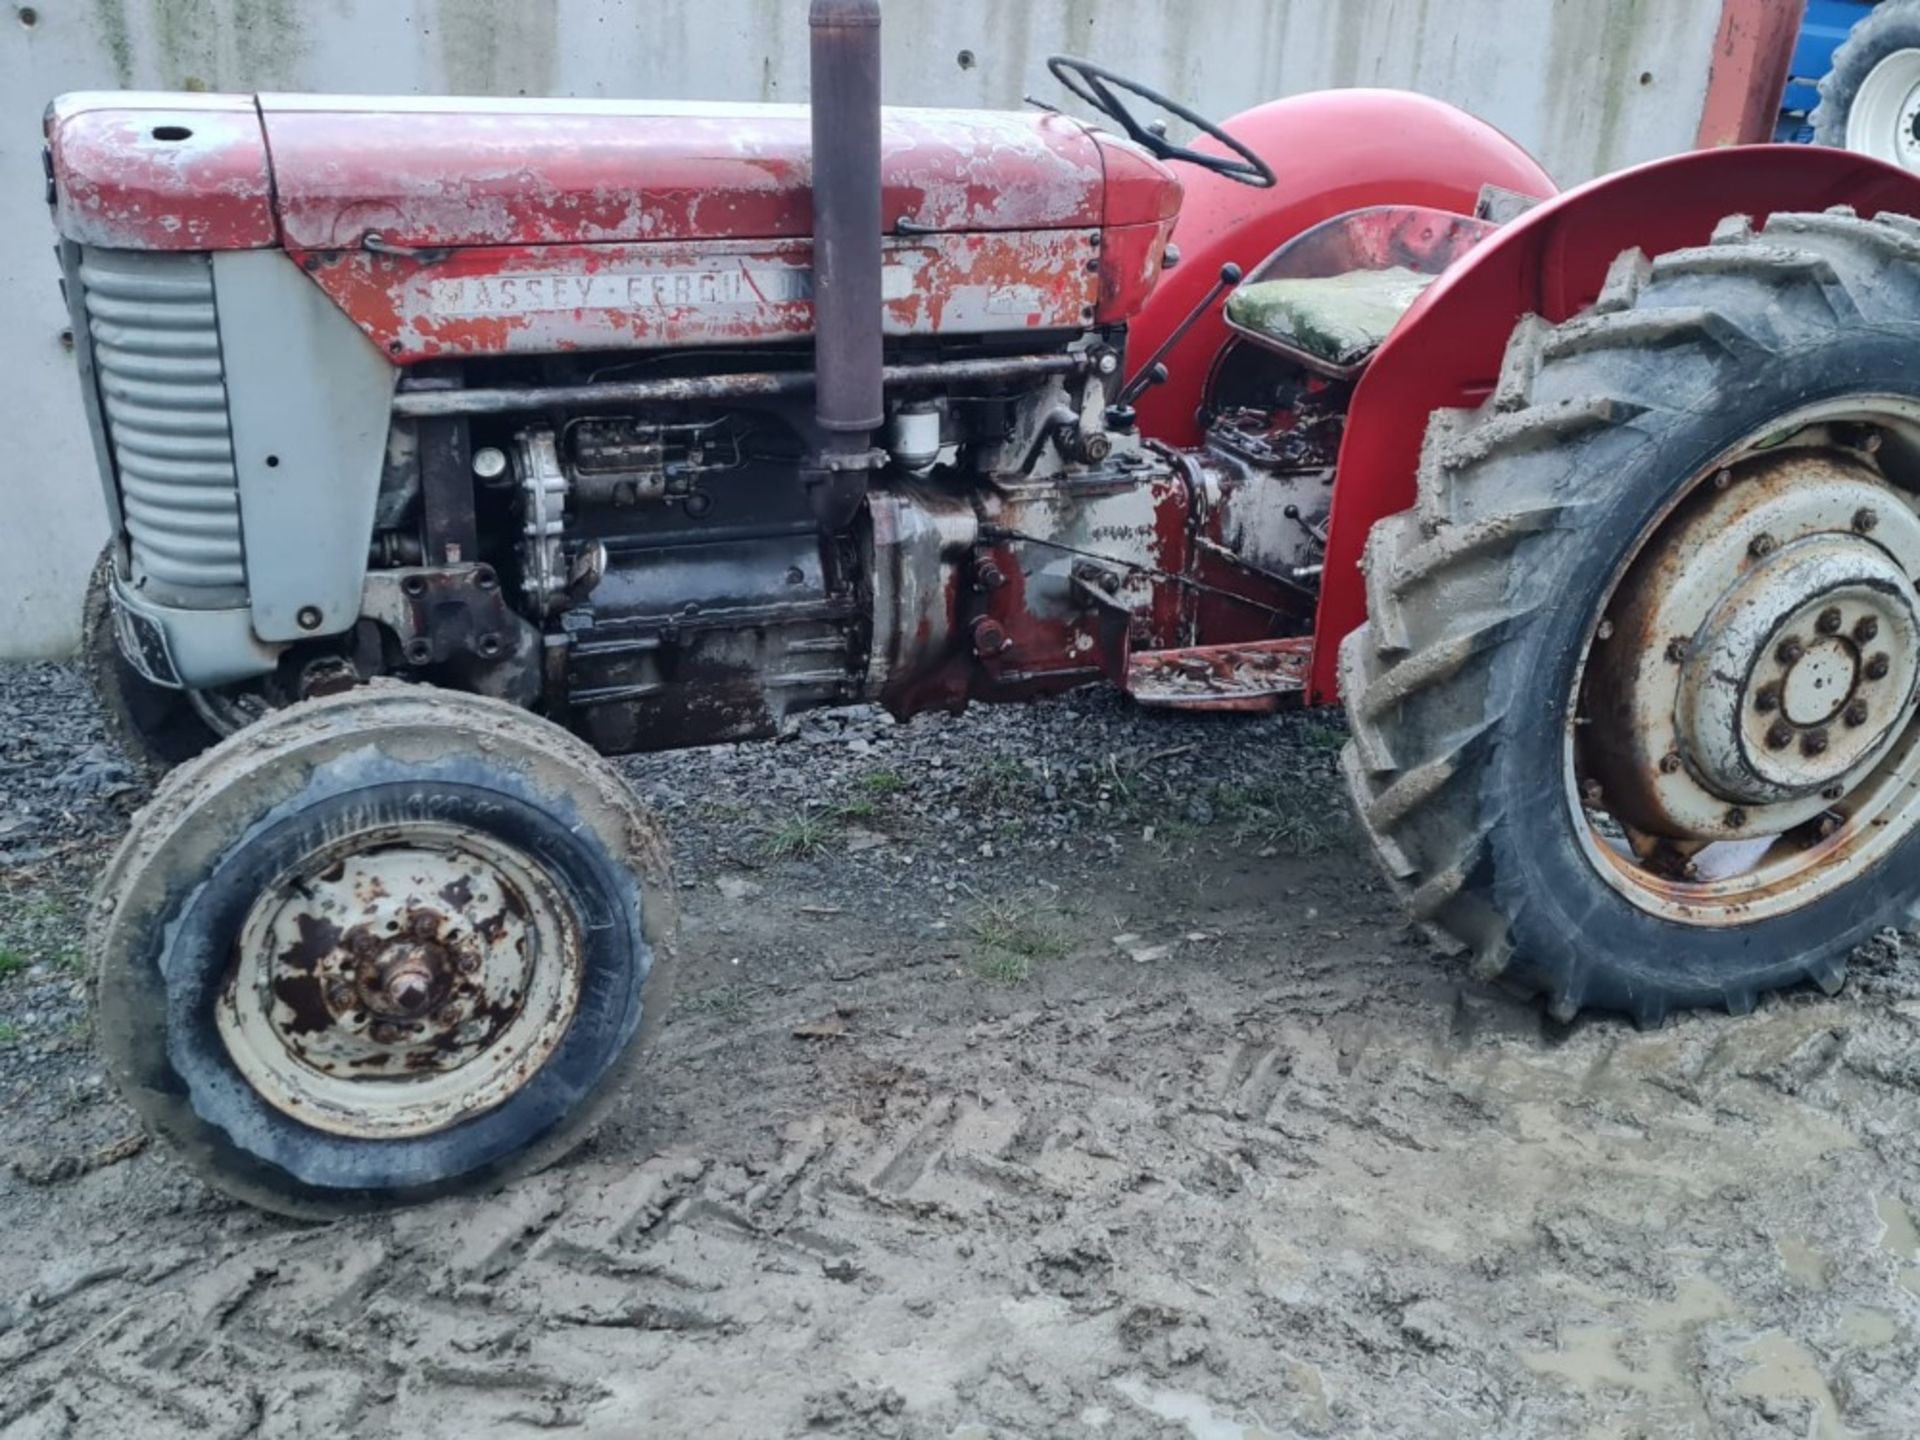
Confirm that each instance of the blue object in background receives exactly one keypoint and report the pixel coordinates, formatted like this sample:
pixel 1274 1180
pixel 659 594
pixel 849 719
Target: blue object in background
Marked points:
pixel 1828 24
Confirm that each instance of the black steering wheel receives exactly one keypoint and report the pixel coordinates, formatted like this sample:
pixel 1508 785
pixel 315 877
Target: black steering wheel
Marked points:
pixel 1090 83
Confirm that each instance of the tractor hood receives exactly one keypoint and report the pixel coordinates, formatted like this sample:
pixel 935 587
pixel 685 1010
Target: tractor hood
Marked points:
pixel 321 173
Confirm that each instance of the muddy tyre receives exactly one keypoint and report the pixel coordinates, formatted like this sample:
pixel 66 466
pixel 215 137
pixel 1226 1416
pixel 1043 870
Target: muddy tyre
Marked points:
pixel 1633 710
pixel 1870 98
pixel 154 727
pixel 381 947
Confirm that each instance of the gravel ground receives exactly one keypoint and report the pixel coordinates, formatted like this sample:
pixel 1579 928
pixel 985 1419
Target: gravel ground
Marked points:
pixel 1058 1071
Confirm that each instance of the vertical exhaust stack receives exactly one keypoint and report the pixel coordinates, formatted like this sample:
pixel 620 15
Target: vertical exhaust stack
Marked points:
pixel 848 403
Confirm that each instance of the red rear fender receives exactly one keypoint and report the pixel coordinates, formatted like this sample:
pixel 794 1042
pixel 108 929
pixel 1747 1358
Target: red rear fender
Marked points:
pixel 1551 262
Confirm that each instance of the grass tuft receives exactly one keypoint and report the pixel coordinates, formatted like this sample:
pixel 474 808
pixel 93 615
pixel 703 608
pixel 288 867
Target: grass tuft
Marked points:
pixel 799 837
pixel 881 783
pixel 1011 940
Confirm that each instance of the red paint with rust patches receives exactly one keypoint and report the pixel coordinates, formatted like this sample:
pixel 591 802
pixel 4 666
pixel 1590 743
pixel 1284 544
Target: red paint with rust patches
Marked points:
pixel 1130 268
pixel 1334 151
pixel 544 299
pixel 1551 262
pixel 1171 611
pixel 135 171
pixel 436 173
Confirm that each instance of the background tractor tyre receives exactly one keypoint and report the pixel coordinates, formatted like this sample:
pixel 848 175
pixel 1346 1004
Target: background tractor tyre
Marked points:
pixel 154 727
pixel 1870 99
pixel 396 882
pixel 1487 598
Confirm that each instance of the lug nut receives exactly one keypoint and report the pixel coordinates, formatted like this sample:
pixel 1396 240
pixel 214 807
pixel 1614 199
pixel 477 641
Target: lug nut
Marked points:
pixel 1723 480
pixel 1736 819
pixel 1864 521
pixel 1814 742
pixel 1833 792
pixel 1762 544
pixel 1856 714
pixel 339 995
pixel 1878 666
pixel 1669 763
pixel 1865 628
pixel 1789 650
pixel 1767 698
pixel 1592 792
pixel 1830 621
pixel 1829 824
pixel 1677 649
pixel 1604 631
pixel 1780 735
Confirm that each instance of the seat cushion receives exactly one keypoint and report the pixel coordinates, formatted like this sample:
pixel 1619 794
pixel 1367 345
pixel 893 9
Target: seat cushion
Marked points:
pixel 1341 319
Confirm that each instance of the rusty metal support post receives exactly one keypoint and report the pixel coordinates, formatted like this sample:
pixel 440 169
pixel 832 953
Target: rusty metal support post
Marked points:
pixel 1752 62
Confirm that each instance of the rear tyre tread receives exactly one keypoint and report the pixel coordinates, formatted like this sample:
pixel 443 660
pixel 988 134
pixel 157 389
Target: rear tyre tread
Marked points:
pixel 1493 514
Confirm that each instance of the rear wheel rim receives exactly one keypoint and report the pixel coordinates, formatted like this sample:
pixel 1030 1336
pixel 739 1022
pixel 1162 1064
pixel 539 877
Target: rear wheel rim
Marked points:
pixel 1743 739
pixel 1886 111
pixel 398 981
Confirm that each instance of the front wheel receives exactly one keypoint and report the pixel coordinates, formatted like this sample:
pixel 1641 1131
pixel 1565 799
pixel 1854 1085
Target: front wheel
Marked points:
pixel 1634 708
pixel 154 727
pixel 384 946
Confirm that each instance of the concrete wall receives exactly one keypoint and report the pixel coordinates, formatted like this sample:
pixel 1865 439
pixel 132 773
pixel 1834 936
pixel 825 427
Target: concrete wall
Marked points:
pixel 1589 85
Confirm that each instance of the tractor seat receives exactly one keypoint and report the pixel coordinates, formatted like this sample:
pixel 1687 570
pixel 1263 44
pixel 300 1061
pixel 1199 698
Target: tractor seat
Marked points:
pixel 1339 320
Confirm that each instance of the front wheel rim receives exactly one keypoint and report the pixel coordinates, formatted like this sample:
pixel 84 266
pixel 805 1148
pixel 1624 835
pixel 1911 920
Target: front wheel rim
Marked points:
pixel 1743 739
pixel 398 981
pixel 1884 120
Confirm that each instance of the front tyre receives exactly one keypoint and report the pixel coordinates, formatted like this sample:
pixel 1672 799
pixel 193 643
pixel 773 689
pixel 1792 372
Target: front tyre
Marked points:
pixel 1633 711
pixel 154 727
pixel 384 946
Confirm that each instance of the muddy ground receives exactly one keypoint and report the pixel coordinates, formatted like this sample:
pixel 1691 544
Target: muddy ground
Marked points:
pixel 1049 1072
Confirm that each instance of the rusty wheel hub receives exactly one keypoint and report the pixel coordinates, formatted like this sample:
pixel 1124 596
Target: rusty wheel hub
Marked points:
pixel 1754 680
pixel 399 981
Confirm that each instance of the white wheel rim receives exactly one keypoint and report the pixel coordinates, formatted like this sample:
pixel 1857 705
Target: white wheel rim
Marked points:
pixel 1682 802
pixel 400 980
pixel 1886 111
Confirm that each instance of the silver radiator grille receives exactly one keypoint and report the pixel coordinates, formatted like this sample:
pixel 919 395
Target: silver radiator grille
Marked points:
pixel 156 350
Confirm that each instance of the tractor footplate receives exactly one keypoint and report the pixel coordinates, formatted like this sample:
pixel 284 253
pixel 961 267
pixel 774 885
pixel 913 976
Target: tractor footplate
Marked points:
pixel 1255 676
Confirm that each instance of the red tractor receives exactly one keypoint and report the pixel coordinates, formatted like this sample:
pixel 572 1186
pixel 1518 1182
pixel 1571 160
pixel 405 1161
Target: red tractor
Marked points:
pixel 621 426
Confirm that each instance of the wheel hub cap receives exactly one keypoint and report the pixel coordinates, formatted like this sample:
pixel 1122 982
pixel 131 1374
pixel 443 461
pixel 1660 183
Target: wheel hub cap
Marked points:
pixel 398 982
pixel 1763 652
pixel 1818 685
pixel 1774 699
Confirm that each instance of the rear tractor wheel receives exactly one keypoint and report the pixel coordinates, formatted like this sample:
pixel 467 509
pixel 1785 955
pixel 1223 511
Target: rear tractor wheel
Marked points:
pixel 1870 98
pixel 385 946
pixel 1634 708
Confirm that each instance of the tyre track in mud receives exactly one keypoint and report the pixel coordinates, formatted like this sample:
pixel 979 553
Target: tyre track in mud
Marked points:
pixel 1296 1176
